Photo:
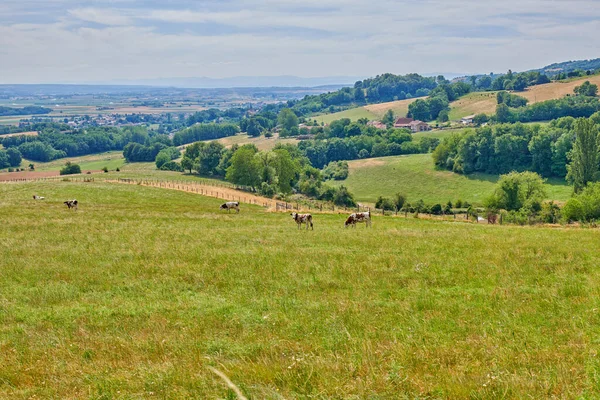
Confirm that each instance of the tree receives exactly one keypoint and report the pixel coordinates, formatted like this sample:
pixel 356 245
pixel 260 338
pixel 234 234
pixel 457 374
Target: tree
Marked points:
pixel 187 164
pixel 389 118
pixel 253 128
pixel 419 109
pixel 244 168
pixel 586 89
pixel 14 156
pixel 288 121
pixel 209 158
pixel 485 82
pixel 399 201
pixel 517 190
pixel 584 156
pixel 70 169
pixel 161 159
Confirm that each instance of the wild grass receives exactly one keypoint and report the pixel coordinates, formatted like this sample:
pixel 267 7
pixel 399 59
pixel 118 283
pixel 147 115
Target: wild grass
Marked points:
pixel 91 162
pixel 353 114
pixel 416 177
pixel 142 290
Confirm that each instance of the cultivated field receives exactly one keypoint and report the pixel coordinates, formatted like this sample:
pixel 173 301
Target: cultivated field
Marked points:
pixel 371 112
pixel 485 102
pixel 142 290
pixel 261 142
pixel 415 177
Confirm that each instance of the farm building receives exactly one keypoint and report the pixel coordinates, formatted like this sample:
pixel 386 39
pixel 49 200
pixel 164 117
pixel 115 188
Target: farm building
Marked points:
pixel 468 120
pixel 414 126
pixel 377 124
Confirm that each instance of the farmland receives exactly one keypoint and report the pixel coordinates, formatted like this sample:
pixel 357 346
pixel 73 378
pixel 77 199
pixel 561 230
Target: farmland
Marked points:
pixel 415 177
pixel 485 102
pixel 370 112
pixel 142 289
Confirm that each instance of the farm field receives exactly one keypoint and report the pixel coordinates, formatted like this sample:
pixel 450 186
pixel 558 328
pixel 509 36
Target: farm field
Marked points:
pixel 415 177
pixel 143 289
pixel 371 112
pixel 261 142
pixel 92 162
pixel 485 102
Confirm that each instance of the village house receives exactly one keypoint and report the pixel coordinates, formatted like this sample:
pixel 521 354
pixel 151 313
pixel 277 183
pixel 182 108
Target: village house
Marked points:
pixel 414 126
pixel 468 120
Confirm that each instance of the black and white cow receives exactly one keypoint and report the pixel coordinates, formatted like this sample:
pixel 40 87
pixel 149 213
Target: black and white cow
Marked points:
pixel 71 204
pixel 303 219
pixel 231 205
pixel 38 197
pixel 355 218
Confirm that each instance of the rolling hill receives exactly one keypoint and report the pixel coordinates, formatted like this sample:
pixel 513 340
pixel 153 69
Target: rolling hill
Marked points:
pixel 485 102
pixel 415 177
pixel 371 111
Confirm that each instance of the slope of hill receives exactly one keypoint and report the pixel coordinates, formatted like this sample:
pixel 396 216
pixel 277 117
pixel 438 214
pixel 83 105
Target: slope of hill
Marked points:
pixel 371 111
pixel 570 66
pixel 416 177
pixel 485 102
pixel 141 294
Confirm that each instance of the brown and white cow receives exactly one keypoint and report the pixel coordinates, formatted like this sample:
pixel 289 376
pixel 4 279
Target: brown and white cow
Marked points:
pixel 71 204
pixel 303 219
pixel 355 218
pixel 230 205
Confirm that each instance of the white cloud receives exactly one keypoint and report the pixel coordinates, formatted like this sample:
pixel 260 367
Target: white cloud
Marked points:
pixel 281 37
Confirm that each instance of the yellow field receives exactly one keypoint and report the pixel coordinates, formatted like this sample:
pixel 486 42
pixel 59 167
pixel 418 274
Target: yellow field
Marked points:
pixel 400 107
pixel 485 102
pixel 261 142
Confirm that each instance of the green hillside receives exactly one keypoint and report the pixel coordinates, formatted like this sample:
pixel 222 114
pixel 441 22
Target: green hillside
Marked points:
pixel 143 290
pixel 416 177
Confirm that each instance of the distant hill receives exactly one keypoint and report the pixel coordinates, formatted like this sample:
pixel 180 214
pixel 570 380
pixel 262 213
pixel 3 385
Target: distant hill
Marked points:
pixel 570 66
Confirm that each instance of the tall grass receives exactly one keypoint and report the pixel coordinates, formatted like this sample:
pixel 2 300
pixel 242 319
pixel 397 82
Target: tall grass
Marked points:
pixel 140 291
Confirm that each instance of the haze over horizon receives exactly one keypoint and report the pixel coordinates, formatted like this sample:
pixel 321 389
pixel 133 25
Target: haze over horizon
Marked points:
pixel 68 41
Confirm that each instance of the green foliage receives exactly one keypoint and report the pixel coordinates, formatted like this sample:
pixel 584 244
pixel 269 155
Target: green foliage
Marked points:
pixel 517 190
pixel 584 156
pixel 70 169
pixel 161 159
pixel 336 170
pixel 28 110
pixel 549 110
pixel 171 166
pixel 511 100
pixel 586 89
pixel 385 204
pixel 584 206
pixel 200 132
pixel 245 167
pixel 389 118
pixel 288 122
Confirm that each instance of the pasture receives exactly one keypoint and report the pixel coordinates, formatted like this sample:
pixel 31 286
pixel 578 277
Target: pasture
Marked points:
pixel 142 290
pixel 416 177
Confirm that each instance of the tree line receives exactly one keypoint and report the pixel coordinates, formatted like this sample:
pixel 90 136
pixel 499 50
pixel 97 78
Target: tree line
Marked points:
pixel 28 110
pixel 278 172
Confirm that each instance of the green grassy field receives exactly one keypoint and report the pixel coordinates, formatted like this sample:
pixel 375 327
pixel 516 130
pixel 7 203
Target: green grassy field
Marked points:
pixel 92 162
pixel 354 114
pixel 140 291
pixel 416 177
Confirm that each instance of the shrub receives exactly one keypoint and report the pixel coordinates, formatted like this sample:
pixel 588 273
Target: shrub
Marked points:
pixel 267 190
pixel 11 170
pixel 170 166
pixel 458 204
pixel 385 204
pixel 70 169
pixel 336 170
pixel 105 170
pixel 436 209
pixel 118 169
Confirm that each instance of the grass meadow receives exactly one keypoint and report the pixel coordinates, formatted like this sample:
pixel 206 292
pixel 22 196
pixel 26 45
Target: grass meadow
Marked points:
pixel 417 178
pixel 142 290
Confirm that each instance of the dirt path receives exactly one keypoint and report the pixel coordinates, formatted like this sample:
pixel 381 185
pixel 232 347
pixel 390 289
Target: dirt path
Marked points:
pixel 205 190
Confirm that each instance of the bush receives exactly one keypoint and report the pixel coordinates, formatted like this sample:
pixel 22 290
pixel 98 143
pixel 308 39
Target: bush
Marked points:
pixel 170 166
pixel 385 204
pixel 70 169
pixel 118 169
pixel 436 209
pixel 105 170
pixel 458 204
pixel 336 170
pixel 267 190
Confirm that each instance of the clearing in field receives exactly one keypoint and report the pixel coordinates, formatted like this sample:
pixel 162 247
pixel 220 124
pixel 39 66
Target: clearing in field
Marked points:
pixel 144 290
pixel 399 107
pixel 416 177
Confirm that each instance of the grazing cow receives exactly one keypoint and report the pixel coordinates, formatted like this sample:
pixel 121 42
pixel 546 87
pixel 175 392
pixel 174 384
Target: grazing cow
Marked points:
pixel 303 219
pixel 38 197
pixel 71 204
pixel 229 205
pixel 492 218
pixel 355 218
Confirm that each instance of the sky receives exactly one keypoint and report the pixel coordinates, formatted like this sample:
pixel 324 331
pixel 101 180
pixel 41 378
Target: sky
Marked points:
pixel 74 41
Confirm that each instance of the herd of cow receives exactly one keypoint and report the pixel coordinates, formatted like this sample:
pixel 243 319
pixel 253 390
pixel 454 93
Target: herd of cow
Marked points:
pixel 300 219
pixel 307 219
